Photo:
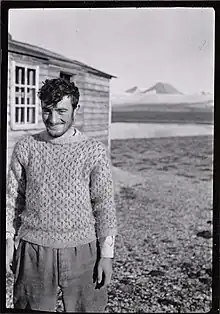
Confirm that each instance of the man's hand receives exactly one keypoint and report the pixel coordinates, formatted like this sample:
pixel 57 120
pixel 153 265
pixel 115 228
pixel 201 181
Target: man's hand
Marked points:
pixel 105 266
pixel 9 254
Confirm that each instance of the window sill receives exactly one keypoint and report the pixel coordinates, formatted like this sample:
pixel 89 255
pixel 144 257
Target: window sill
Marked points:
pixel 25 127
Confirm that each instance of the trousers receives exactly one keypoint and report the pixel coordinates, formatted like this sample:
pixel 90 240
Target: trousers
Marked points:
pixel 39 271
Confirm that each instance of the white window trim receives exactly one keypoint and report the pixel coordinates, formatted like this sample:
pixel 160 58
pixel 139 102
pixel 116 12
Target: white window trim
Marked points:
pixel 14 125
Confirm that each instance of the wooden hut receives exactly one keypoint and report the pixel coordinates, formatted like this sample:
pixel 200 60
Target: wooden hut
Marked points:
pixel 28 67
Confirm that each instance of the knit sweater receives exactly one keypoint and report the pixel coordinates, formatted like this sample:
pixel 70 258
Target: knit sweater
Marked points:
pixel 60 191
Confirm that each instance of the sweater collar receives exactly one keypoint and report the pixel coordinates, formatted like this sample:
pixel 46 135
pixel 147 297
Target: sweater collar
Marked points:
pixel 71 136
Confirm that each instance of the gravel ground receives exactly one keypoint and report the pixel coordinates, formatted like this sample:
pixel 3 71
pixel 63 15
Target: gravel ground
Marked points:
pixel 163 253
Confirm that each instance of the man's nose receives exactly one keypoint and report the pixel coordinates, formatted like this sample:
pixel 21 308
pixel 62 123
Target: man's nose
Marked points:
pixel 53 117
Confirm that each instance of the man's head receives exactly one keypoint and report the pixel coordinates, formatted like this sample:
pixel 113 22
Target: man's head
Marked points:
pixel 59 100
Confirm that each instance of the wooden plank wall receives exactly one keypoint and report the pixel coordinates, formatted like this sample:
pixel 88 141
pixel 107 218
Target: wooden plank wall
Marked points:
pixel 93 115
pixel 95 101
pixel 45 71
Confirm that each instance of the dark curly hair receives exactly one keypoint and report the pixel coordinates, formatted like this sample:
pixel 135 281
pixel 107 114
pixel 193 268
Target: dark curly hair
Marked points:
pixel 53 91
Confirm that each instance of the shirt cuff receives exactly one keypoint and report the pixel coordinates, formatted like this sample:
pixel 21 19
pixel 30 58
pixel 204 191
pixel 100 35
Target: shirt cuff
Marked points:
pixel 107 246
pixel 9 235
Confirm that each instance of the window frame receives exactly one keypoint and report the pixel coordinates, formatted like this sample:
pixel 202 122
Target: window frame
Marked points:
pixel 25 126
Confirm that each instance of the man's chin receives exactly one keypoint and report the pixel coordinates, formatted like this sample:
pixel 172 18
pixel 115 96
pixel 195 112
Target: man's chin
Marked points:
pixel 55 133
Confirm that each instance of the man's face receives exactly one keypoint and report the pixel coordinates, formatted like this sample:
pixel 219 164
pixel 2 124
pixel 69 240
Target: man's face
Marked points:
pixel 58 118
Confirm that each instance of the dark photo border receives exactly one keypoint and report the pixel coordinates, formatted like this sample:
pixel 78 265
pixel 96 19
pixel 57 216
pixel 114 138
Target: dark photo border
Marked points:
pixel 5 7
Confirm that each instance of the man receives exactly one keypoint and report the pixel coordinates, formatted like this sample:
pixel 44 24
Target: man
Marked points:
pixel 60 211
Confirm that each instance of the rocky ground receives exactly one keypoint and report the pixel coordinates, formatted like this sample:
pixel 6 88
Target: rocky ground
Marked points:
pixel 163 253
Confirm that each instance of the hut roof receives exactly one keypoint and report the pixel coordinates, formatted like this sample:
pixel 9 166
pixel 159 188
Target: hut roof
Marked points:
pixel 42 53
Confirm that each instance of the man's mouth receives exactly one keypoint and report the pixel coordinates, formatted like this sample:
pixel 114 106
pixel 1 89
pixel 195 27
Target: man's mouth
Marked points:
pixel 53 126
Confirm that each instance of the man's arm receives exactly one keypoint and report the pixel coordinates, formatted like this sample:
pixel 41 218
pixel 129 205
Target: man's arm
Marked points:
pixel 15 198
pixel 15 192
pixel 102 198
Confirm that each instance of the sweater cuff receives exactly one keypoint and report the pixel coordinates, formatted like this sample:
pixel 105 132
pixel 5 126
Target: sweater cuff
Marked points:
pixel 107 246
pixel 9 235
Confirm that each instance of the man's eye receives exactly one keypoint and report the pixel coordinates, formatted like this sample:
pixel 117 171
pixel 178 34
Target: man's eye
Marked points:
pixel 61 111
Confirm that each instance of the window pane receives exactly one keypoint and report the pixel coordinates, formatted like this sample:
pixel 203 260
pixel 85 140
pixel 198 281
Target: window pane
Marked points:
pixel 19 91
pixel 31 115
pixel 19 95
pixel 22 115
pixel 72 79
pixel 34 111
pixel 16 114
pixel 28 114
pixel 65 76
pixel 28 77
pixel 32 96
pixel 28 96
pixel 19 75
pixel 31 77
pixel 19 115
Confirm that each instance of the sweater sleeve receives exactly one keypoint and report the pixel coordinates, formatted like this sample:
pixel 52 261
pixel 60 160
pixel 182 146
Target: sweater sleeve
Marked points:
pixel 102 196
pixel 15 191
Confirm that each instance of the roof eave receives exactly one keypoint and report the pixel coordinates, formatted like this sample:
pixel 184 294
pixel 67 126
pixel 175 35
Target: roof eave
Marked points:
pixel 101 73
pixel 51 57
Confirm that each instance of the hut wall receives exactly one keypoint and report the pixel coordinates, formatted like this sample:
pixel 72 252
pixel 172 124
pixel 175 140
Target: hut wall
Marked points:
pixel 93 115
pixel 95 102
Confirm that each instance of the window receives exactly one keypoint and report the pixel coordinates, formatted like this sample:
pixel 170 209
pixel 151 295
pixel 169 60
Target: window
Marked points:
pixel 65 76
pixel 24 100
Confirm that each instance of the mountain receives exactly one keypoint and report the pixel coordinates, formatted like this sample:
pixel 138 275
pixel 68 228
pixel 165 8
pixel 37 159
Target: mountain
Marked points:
pixel 132 90
pixel 159 94
pixel 158 88
pixel 163 88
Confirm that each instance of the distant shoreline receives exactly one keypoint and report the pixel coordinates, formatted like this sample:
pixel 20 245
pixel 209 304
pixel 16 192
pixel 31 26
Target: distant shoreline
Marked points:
pixel 163 116
pixel 164 121
pixel 125 130
pixel 125 105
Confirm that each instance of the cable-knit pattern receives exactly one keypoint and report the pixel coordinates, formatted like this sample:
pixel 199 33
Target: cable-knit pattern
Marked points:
pixel 62 191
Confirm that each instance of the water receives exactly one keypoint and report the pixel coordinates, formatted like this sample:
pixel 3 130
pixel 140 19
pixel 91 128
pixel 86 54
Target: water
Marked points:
pixel 123 130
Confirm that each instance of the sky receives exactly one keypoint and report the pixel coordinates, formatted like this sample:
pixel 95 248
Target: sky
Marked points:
pixel 140 46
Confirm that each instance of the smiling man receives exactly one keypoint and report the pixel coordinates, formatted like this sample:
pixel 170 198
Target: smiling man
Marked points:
pixel 61 216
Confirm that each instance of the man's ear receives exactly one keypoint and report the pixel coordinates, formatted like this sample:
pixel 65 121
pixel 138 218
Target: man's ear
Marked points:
pixel 75 111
